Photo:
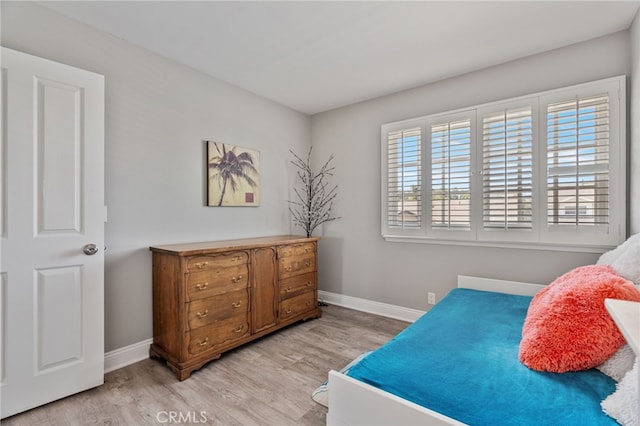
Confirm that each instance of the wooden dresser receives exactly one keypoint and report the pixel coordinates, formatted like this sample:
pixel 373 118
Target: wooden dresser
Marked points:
pixel 211 297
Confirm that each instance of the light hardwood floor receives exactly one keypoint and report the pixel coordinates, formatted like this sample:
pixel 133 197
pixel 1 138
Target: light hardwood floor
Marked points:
pixel 266 382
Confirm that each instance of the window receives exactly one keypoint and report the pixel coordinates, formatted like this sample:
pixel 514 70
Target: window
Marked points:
pixel 451 175
pixel 403 207
pixel 507 169
pixel 546 170
pixel 578 160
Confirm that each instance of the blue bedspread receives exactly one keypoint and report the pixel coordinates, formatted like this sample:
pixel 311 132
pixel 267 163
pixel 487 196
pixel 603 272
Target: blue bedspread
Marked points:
pixel 461 359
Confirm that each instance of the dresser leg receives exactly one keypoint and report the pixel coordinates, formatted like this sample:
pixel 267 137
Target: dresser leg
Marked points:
pixel 153 354
pixel 183 373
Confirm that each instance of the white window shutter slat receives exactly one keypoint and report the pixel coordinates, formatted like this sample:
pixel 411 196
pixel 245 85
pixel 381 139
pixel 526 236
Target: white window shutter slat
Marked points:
pixel 403 208
pixel 578 162
pixel 451 175
pixel 507 169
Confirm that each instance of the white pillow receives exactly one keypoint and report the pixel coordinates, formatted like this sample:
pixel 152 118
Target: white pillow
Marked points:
pixel 624 259
pixel 619 363
pixel 608 257
pixel 623 405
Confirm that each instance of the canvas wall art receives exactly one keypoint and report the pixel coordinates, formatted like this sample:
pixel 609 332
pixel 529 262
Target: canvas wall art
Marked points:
pixel 233 175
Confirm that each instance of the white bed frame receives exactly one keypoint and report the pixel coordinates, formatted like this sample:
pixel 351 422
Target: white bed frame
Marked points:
pixel 352 402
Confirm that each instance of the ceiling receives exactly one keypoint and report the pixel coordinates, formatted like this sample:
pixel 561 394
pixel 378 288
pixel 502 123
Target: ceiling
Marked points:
pixel 314 56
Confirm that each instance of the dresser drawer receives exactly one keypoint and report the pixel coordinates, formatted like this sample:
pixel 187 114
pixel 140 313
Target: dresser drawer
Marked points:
pixel 208 283
pixel 296 249
pixel 297 305
pixel 203 263
pixel 298 284
pixel 203 312
pixel 218 334
pixel 290 266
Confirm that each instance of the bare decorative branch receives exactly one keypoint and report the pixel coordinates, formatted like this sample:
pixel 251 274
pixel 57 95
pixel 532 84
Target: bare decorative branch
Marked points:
pixel 313 203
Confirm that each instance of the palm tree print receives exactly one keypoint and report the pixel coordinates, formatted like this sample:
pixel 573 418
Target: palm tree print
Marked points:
pixel 229 169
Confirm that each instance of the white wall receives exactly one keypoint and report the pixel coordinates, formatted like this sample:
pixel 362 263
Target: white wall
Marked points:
pixel 356 261
pixel 634 122
pixel 157 115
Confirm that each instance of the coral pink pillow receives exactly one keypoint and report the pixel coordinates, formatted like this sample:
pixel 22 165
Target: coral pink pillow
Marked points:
pixel 567 327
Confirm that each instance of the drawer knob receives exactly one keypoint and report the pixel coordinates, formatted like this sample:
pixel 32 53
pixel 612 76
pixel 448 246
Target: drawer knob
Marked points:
pixel 287 290
pixel 308 283
pixel 308 303
pixel 238 329
pixel 237 304
pixel 202 286
pixel 236 279
pixel 288 311
pixel 307 264
pixel 235 258
pixel 204 342
pixel 202 314
pixel 288 268
pixel 308 250
pixel 201 265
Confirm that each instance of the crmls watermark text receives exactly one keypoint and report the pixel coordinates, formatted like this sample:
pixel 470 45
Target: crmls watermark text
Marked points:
pixel 178 417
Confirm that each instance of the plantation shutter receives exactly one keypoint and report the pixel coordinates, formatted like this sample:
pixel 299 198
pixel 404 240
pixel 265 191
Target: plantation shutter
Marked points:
pixel 507 169
pixel 578 174
pixel 451 175
pixel 404 178
pixel 546 170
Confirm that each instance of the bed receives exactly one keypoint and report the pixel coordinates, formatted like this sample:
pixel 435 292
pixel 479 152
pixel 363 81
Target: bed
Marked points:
pixel 470 374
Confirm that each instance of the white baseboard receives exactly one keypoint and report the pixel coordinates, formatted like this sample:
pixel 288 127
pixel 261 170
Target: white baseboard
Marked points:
pixel 370 306
pixel 122 357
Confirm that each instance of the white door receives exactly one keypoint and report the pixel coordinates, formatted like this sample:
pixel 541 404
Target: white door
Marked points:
pixel 51 206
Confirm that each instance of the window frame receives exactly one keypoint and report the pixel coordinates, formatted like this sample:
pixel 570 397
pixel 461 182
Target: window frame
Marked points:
pixel 616 230
pixel 431 232
pixel 513 234
pixel 540 236
pixel 384 135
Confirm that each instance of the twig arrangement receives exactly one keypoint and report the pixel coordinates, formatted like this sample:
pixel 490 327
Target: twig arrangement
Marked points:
pixel 314 201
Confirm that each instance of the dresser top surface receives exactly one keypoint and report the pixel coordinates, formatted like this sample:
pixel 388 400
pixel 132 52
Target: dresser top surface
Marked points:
pixel 190 249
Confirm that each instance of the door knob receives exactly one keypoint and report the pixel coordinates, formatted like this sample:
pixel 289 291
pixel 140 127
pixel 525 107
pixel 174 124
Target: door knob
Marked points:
pixel 90 249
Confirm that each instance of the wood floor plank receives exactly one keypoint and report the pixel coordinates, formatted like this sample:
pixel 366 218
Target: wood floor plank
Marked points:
pixel 266 382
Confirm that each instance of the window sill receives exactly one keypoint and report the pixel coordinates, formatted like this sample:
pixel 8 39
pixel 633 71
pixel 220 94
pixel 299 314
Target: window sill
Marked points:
pixel 598 249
